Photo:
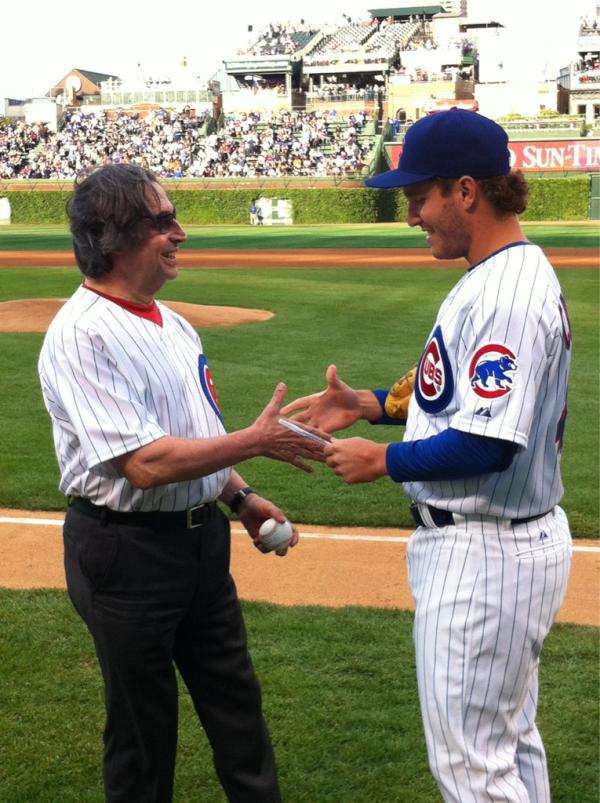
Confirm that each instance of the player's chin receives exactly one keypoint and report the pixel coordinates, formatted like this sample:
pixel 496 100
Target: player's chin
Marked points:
pixel 444 252
pixel 444 248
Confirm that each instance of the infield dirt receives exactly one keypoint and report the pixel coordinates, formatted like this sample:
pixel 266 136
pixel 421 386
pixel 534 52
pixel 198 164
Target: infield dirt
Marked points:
pixel 303 258
pixel 333 567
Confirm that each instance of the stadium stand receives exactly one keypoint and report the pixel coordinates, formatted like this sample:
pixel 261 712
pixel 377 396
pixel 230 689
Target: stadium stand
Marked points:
pixel 281 39
pixel 395 36
pixel 299 101
pixel 348 37
pixel 174 145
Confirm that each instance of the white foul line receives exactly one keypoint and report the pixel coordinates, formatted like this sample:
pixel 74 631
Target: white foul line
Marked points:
pixel 393 539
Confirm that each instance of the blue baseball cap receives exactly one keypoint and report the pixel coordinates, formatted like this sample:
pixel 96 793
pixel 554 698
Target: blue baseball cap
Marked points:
pixel 449 145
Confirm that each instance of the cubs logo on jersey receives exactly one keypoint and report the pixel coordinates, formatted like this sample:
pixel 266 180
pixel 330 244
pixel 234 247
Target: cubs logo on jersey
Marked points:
pixel 491 371
pixel 208 386
pixel 435 384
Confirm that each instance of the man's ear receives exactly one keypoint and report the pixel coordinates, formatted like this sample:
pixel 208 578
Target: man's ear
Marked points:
pixel 467 190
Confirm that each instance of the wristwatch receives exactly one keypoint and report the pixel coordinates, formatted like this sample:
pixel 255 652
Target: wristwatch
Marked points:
pixel 238 498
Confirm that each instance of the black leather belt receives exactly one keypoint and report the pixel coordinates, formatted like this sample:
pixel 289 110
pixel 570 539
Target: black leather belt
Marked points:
pixel 445 518
pixel 178 519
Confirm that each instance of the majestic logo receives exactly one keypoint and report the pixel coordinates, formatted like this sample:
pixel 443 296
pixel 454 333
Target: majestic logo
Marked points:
pixel 435 385
pixel 489 371
pixel 208 386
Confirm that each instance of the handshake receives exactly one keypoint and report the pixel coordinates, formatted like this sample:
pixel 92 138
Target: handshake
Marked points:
pixel 338 407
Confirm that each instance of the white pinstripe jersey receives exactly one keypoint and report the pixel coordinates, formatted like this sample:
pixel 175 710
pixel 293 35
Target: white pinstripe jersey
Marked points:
pixel 497 364
pixel 113 382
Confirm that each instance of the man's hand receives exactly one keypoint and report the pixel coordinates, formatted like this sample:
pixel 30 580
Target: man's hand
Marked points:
pixel 253 511
pixel 337 407
pixel 280 443
pixel 357 459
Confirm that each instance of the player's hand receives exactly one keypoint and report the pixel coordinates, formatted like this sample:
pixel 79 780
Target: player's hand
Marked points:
pixel 253 511
pixel 280 443
pixel 357 459
pixel 337 407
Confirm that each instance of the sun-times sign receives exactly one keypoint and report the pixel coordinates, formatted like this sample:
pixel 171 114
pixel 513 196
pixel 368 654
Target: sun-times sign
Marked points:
pixel 545 155
pixel 556 155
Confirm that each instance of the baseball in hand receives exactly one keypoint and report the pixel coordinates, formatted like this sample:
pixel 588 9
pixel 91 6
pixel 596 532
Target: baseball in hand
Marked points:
pixel 274 534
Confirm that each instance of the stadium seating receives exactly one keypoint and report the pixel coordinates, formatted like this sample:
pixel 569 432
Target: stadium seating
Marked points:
pixel 174 145
pixel 393 37
pixel 348 37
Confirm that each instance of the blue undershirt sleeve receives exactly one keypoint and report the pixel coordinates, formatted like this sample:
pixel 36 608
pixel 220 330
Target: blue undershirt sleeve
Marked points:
pixel 450 455
pixel 381 396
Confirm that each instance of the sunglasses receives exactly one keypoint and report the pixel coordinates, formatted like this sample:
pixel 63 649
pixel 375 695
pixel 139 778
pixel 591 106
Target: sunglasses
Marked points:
pixel 163 222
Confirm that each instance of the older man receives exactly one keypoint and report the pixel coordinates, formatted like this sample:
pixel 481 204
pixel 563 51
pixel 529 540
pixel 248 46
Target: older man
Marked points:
pixel 144 456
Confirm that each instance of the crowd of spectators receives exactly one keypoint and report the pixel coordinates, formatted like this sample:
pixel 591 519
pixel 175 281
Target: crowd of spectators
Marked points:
pixel 340 91
pixel 160 140
pixel 272 144
pixel 589 65
pixel 173 145
pixel 17 142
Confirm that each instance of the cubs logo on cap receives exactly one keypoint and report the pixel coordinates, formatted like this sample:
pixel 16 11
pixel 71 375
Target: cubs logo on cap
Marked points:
pixel 491 371
pixel 207 385
pixel 435 384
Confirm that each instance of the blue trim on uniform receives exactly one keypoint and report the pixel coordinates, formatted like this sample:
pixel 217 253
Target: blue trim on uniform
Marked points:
pixel 207 386
pixel 381 396
pixel 493 254
pixel 450 455
pixel 439 404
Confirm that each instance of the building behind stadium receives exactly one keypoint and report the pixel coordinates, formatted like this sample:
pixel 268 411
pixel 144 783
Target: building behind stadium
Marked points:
pixel 388 69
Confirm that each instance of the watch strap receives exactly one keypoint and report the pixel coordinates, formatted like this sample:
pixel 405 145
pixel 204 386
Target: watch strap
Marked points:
pixel 238 498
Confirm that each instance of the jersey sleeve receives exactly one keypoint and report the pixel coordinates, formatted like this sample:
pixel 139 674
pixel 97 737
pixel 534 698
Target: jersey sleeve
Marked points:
pixel 99 400
pixel 507 338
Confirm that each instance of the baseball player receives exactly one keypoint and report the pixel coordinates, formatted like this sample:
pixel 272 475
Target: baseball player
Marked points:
pixel 480 460
pixel 144 455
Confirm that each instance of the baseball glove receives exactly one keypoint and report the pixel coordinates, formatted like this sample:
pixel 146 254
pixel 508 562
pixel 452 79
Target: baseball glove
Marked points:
pixel 396 403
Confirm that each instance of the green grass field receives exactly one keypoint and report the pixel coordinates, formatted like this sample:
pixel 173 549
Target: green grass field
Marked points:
pixel 339 692
pixel 371 323
pixel 339 685
pixel 384 235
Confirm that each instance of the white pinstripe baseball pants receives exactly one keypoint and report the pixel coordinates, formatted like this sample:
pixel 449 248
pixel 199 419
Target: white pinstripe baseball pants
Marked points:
pixel 486 595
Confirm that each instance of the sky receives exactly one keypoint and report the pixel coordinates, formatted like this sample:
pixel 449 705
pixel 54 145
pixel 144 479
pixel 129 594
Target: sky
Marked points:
pixel 38 51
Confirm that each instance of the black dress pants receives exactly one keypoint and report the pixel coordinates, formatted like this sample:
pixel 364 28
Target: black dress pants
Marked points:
pixel 152 600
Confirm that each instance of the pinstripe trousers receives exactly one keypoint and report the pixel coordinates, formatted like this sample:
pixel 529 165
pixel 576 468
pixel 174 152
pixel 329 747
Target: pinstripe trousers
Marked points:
pixel 486 595
pixel 155 599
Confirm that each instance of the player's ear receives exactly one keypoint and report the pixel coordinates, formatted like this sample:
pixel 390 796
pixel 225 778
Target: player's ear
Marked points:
pixel 467 190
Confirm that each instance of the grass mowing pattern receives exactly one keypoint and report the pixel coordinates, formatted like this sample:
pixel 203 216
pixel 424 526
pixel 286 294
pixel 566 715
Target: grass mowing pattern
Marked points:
pixel 384 235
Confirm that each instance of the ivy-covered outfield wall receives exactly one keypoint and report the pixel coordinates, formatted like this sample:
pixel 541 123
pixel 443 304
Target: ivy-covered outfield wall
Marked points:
pixel 564 198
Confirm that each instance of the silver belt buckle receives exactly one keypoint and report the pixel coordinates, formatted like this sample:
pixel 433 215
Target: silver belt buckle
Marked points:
pixel 188 517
